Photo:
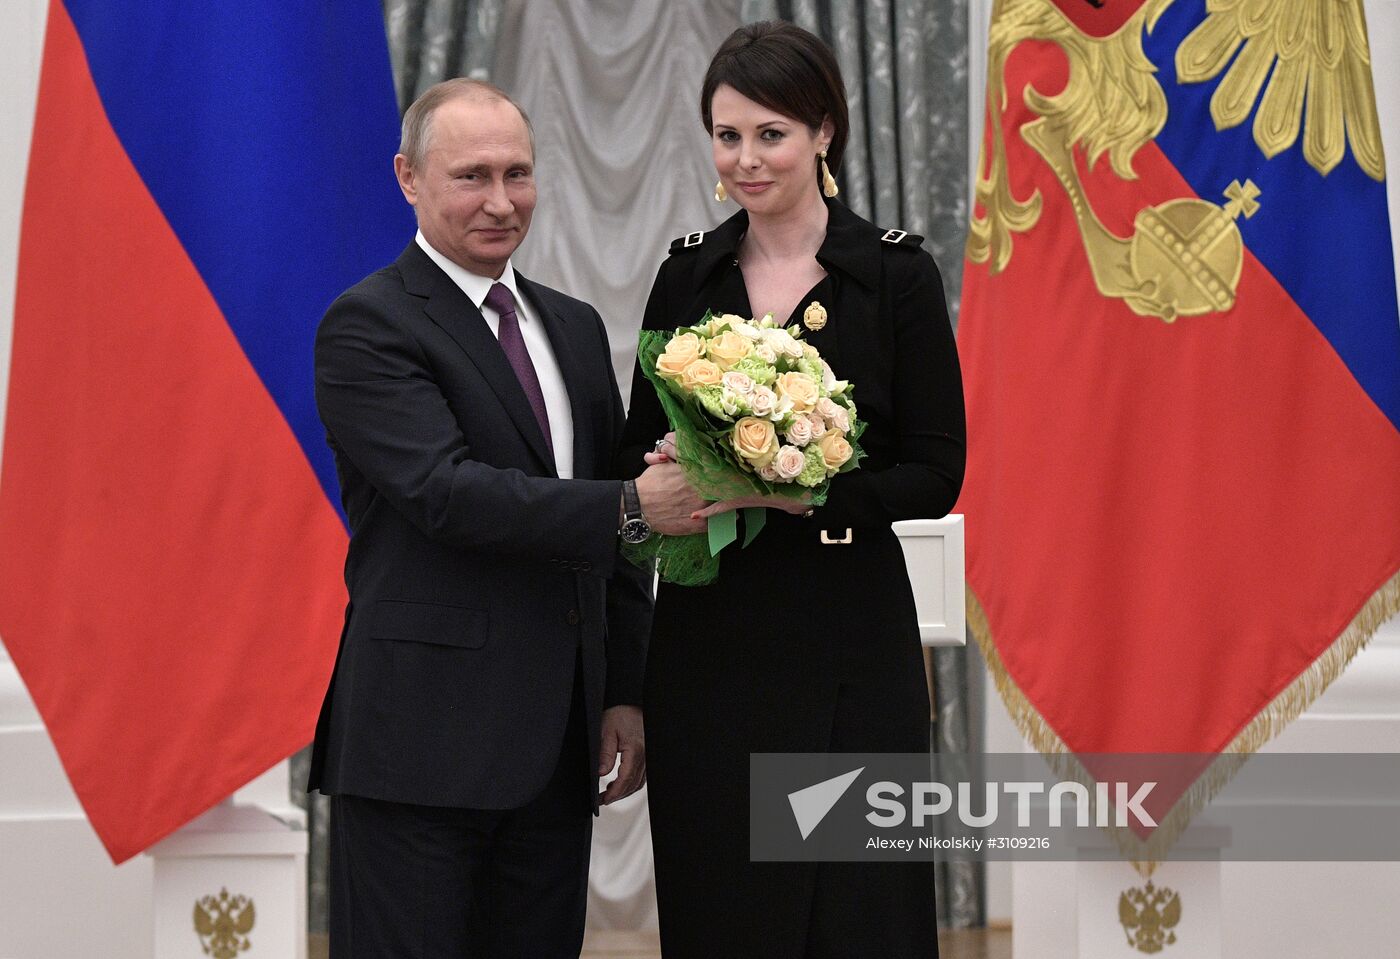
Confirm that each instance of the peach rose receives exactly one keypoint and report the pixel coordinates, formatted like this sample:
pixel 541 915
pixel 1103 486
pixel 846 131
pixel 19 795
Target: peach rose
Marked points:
pixel 755 441
pixel 835 450
pixel 727 349
pixel 700 373
pixel 801 389
pixel 682 351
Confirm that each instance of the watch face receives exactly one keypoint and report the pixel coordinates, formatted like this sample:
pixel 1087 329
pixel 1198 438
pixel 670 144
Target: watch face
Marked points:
pixel 635 531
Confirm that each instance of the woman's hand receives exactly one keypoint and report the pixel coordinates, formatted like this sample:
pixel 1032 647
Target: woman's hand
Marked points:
pixel 665 451
pixel 798 507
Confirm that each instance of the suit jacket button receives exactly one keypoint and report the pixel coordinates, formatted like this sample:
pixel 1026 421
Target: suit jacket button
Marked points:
pixel 573 618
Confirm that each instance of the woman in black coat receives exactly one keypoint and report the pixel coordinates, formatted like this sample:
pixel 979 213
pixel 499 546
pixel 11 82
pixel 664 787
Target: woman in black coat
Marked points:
pixel 801 645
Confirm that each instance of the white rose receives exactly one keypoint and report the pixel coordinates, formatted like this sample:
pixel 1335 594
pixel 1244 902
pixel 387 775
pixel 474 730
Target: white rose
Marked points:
pixel 746 329
pixel 766 353
pixel 763 401
pixel 800 432
pixel 769 472
pixel 835 415
pixel 816 425
pixel 740 383
pixel 789 462
pixel 783 343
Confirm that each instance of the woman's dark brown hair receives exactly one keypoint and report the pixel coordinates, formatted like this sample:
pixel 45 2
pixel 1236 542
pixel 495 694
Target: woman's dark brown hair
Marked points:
pixel 787 70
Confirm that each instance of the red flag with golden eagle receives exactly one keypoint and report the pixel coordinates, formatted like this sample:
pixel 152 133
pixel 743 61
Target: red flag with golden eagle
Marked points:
pixel 1182 356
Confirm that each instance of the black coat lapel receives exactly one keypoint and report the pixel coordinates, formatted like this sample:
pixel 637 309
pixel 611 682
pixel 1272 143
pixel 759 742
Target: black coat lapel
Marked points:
pixel 576 382
pixel 459 318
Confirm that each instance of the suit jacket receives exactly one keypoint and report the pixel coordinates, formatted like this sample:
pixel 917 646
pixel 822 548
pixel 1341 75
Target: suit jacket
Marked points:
pixel 477 577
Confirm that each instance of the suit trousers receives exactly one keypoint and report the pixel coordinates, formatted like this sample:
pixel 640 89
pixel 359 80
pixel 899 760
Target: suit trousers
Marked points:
pixel 427 882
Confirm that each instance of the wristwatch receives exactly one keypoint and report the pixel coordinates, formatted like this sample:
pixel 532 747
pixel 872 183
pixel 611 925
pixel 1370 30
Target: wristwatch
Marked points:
pixel 635 528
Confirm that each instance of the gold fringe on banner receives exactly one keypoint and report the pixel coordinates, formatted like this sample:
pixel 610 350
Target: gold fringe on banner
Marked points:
pixel 1287 706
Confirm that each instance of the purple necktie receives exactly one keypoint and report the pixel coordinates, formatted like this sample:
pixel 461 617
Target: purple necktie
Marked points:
pixel 500 300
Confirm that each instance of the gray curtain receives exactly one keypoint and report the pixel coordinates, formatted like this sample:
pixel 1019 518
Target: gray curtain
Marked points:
pixel 317 859
pixel 624 166
pixel 432 40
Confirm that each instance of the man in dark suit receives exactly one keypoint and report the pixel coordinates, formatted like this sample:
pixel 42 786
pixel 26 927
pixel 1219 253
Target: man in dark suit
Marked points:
pixel 491 662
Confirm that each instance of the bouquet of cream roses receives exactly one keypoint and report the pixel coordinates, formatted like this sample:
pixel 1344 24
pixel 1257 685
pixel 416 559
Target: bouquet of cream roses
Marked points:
pixel 756 410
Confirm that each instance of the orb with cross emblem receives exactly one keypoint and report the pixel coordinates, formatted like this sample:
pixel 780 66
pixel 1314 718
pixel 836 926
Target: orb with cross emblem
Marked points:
pixel 1188 253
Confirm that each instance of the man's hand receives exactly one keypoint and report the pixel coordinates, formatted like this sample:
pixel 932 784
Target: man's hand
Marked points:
pixel 665 452
pixel 668 502
pixel 623 736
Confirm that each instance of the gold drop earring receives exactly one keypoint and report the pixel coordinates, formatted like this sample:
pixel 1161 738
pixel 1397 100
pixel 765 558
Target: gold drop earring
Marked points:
pixel 721 194
pixel 829 187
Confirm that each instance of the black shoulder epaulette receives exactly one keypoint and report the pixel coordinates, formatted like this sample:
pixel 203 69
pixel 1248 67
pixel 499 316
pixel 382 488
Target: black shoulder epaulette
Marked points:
pixel 688 242
pixel 901 238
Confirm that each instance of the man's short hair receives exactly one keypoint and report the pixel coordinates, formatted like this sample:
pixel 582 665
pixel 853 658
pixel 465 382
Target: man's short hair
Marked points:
pixel 417 127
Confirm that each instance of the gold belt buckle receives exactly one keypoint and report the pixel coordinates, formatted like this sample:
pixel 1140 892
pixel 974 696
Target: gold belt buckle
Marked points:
pixel 828 541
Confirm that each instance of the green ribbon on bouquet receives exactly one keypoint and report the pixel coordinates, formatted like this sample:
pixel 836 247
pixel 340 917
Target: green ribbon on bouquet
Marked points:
pixel 723 528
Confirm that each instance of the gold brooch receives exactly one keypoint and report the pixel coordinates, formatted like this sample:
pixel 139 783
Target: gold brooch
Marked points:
pixel 814 317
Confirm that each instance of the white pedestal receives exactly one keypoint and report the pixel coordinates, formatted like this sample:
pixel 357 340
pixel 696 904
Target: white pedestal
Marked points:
pixel 1077 910
pixel 934 554
pixel 1266 910
pixel 231 883
pixel 1176 912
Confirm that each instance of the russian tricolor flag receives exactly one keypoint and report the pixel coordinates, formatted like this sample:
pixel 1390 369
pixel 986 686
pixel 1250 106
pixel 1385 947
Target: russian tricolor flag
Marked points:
pixel 204 179
pixel 1181 525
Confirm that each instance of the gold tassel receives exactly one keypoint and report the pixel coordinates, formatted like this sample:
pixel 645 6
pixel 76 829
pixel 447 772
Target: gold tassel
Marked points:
pixel 1287 706
pixel 721 194
pixel 829 187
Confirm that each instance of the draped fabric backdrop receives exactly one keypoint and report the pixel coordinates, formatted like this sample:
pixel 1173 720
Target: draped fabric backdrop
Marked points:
pixel 623 167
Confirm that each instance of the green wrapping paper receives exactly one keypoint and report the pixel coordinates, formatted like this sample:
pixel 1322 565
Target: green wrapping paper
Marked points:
pixel 710 466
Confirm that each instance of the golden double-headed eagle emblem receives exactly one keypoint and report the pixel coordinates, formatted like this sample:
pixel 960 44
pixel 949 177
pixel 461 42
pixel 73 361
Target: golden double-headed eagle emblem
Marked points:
pixel 1149 917
pixel 223 923
pixel 1310 60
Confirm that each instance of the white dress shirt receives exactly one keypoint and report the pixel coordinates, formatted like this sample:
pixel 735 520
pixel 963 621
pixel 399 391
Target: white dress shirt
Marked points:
pixel 556 397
